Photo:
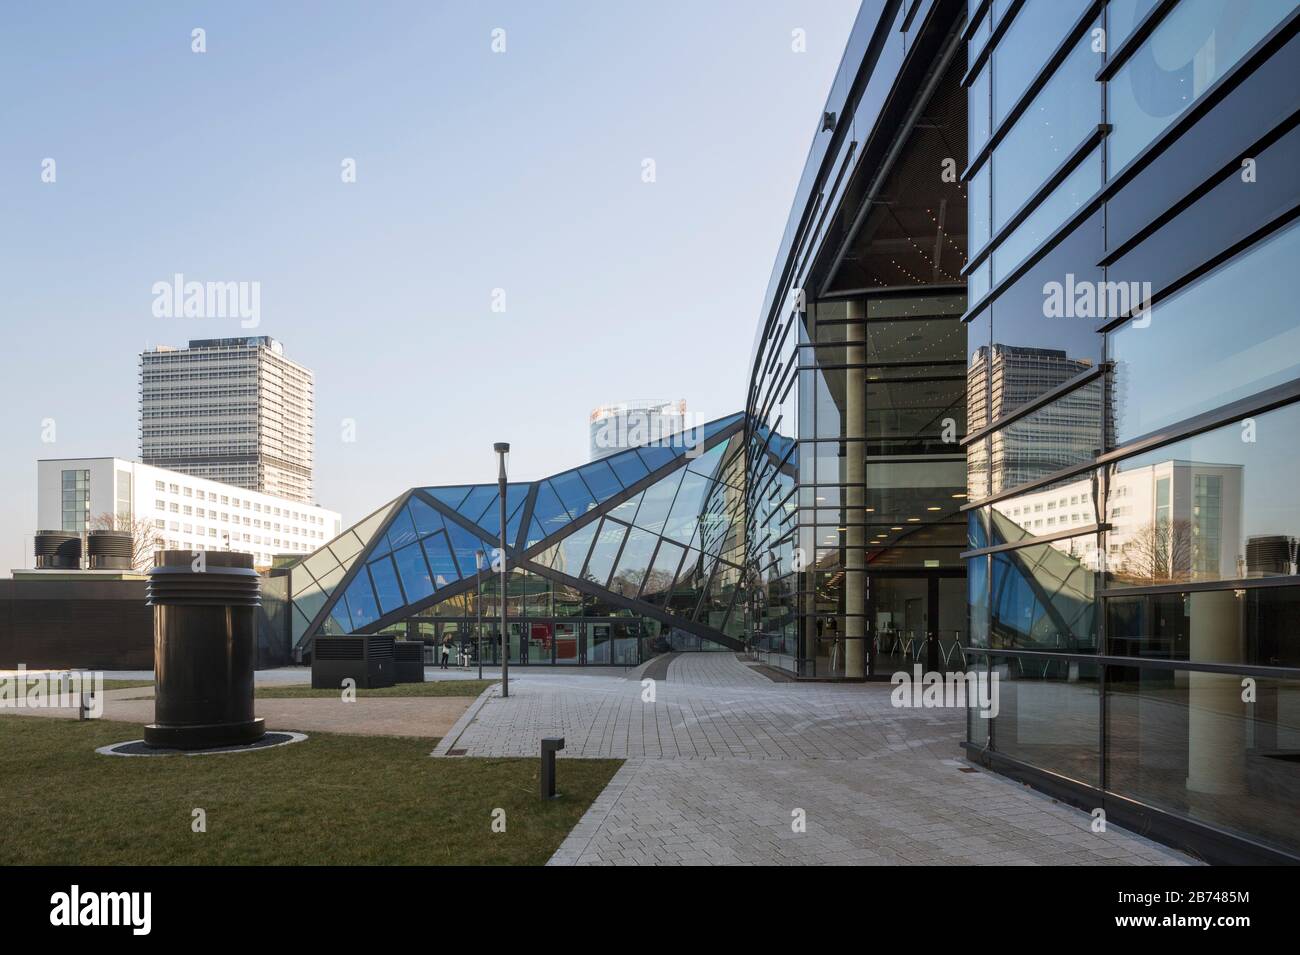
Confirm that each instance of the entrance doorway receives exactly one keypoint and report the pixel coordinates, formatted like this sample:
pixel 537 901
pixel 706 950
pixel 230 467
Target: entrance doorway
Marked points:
pixel 919 619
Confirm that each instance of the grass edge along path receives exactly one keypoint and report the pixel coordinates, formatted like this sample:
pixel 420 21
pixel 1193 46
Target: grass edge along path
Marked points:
pixel 433 688
pixel 332 800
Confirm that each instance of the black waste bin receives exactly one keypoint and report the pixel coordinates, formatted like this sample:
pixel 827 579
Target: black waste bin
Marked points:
pixel 205 648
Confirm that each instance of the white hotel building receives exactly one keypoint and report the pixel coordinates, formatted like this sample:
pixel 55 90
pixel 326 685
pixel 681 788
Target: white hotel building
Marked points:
pixel 186 513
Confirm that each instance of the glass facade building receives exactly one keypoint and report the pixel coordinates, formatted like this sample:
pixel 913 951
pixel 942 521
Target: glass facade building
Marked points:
pixel 608 563
pixel 1132 341
pixel 857 399
pixel 1023 398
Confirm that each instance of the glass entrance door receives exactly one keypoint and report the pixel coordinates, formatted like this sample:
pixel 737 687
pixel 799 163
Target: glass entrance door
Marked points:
pixel 599 643
pixel 570 644
pixel 541 646
pixel 899 620
pixel 917 620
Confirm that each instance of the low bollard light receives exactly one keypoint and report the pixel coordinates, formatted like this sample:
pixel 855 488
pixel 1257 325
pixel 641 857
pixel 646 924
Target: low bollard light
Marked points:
pixel 550 745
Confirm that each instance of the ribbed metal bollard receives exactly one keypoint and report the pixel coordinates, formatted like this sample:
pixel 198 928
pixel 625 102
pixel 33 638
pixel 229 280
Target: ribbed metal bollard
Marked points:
pixel 550 744
pixel 205 649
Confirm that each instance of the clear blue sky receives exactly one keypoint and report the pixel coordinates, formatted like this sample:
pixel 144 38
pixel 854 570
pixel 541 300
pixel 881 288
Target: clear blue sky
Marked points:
pixel 476 170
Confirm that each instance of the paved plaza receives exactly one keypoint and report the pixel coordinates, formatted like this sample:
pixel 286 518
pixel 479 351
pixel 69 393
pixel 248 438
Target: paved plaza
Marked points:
pixel 724 762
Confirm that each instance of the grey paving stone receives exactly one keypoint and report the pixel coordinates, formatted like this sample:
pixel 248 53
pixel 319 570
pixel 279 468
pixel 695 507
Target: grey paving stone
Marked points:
pixel 718 762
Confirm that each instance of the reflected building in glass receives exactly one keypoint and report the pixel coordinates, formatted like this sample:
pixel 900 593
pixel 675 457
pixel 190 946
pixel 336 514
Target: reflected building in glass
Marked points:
pixel 1131 554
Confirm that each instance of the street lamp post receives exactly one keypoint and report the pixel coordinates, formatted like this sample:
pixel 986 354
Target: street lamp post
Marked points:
pixel 478 605
pixel 502 449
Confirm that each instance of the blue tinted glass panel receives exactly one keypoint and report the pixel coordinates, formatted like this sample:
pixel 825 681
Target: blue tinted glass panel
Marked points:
pixel 656 457
pixel 414 572
pixel 548 512
pixel 1036 31
pixel 601 561
pixel 1056 122
pixel 709 462
pixel 572 551
pixel 633 563
pixel 1187 332
pixel 626 511
pixel 491 519
pixel 535 534
pixel 512 524
pixel 978 212
pixel 685 516
pixel 1122 16
pixel 978 105
pixel 713 427
pixel 440 560
pixel 574 493
pixel 361 601
pixel 1078 187
pixel 1192 47
pixel 427 520
pixel 600 479
pixel 627 466
pixel 657 501
pixel 451 496
pixel 659 579
pixel 338 622
pixel 464 544
pixel 400 533
pixel 384 576
pixel 1043 598
pixel 476 504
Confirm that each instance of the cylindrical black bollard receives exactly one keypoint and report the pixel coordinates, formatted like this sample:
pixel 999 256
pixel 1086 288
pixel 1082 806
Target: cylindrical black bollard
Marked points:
pixel 205 649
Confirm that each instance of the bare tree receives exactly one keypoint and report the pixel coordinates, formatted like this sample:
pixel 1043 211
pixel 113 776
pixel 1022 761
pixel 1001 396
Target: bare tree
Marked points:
pixel 1158 553
pixel 145 538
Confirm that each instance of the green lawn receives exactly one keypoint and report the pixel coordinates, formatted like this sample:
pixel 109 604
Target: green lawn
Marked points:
pixel 469 688
pixel 332 800
pixel 125 684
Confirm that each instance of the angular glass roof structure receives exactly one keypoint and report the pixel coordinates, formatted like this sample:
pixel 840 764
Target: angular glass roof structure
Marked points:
pixel 654 532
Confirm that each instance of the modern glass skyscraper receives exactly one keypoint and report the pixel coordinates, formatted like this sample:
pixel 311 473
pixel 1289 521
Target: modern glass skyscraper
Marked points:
pixel 233 410
pixel 628 424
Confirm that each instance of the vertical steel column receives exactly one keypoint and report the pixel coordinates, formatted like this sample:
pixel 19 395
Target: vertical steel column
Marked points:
pixel 502 449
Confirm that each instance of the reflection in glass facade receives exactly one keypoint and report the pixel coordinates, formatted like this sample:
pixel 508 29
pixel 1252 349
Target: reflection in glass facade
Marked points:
pixel 608 563
pixel 1132 526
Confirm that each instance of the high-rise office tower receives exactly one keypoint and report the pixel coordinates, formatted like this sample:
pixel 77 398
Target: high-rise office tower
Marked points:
pixel 632 423
pixel 234 410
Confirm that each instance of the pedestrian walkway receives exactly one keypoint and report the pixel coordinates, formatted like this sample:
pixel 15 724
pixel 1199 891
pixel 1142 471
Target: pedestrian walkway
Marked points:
pixel 727 767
